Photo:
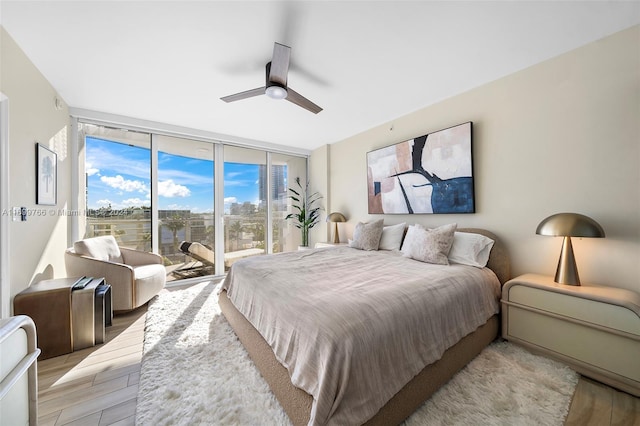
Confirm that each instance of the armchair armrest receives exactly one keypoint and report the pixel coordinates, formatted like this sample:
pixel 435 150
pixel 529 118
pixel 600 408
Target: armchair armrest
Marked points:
pixel 121 277
pixel 139 258
pixel 114 273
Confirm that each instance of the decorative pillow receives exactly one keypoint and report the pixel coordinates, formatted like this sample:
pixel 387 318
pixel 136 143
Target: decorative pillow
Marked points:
pixel 470 249
pixel 392 237
pixel 366 236
pixel 431 245
pixel 103 248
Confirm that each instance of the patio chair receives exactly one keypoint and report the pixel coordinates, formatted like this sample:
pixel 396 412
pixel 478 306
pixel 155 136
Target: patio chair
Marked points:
pixel 204 257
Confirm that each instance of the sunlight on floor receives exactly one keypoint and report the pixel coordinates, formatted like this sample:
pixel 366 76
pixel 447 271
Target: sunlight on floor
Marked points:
pixel 105 357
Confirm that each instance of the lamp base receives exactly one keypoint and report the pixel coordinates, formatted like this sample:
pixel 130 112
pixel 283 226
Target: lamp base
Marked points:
pixel 336 236
pixel 567 272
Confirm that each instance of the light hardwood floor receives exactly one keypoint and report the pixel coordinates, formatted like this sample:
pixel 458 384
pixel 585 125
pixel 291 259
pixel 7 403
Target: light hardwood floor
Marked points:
pixel 95 386
pixel 98 386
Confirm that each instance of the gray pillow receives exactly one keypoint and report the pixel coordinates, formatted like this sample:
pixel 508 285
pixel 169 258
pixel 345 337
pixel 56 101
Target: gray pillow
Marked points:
pixel 430 245
pixel 366 236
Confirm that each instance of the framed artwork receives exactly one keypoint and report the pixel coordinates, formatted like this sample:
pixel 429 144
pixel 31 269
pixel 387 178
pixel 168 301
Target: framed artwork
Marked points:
pixel 46 176
pixel 432 173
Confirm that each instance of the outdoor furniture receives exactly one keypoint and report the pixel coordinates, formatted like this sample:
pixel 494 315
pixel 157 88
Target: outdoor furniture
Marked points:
pixel 205 259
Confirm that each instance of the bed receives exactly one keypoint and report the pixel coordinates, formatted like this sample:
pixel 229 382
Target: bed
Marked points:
pixel 315 357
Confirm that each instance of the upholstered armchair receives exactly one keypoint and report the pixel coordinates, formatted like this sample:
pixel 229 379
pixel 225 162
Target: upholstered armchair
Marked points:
pixel 135 276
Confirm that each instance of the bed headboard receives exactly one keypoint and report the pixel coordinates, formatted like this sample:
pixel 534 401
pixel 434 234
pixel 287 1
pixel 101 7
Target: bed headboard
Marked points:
pixel 499 258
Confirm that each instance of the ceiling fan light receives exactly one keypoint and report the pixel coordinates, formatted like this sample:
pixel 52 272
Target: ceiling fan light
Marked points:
pixel 276 92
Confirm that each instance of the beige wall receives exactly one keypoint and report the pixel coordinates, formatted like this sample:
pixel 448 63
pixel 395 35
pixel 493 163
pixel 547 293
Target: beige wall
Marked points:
pixel 36 246
pixel 563 135
pixel 319 181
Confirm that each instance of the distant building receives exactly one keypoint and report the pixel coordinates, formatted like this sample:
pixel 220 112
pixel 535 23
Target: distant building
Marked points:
pixel 278 183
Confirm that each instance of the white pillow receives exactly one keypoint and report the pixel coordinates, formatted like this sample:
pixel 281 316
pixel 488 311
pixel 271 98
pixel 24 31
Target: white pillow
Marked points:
pixel 430 245
pixel 409 238
pixel 392 237
pixel 366 236
pixel 470 249
pixel 103 248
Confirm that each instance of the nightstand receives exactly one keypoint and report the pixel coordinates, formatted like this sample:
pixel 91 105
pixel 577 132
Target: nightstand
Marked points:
pixel 327 244
pixel 595 330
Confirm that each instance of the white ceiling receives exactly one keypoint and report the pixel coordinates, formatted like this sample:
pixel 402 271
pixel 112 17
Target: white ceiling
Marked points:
pixel 365 62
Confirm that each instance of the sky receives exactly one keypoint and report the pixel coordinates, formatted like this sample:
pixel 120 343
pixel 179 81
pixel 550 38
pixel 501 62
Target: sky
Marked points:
pixel 119 175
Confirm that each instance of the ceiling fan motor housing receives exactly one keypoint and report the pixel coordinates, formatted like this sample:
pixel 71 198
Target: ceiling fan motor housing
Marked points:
pixel 273 89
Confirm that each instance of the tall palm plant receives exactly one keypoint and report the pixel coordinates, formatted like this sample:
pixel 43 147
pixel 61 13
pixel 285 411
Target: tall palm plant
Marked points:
pixel 174 224
pixel 307 212
pixel 236 230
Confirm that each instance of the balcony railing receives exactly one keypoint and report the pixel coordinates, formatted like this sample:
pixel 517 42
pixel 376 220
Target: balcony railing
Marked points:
pixel 242 233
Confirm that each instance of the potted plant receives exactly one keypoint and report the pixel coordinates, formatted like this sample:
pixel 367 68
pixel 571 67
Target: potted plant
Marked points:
pixel 307 213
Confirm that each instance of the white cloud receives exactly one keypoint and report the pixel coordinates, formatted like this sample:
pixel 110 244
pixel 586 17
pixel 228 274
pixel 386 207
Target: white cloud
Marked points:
pixel 230 200
pixel 170 189
pixel 133 202
pixel 119 182
pixel 90 170
pixel 105 159
pixel 228 182
pixel 103 203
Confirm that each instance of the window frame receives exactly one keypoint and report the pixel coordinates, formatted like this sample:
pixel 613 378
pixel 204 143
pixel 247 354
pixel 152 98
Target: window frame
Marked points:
pixel 78 169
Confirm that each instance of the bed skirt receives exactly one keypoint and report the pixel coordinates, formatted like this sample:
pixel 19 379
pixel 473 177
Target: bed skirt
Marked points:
pixel 297 403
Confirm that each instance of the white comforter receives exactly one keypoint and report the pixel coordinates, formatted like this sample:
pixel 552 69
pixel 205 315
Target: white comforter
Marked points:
pixel 353 327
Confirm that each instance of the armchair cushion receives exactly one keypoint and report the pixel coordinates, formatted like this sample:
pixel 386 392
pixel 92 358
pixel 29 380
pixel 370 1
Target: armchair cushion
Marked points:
pixel 102 248
pixel 139 258
pixel 150 280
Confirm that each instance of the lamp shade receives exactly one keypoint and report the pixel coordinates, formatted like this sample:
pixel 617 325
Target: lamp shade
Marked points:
pixel 570 225
pixel 336 217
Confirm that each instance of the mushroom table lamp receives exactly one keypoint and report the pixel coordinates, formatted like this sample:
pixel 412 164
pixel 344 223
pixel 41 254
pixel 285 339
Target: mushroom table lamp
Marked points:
pixel 569 225
pixel 336 218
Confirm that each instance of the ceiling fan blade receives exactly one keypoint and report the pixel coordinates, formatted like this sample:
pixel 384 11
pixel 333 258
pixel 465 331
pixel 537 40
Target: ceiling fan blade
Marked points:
pixel 244 95
pixel 298 99
pixel 280 64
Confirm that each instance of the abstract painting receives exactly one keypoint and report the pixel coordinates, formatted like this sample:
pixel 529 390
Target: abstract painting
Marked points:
pixel 432 173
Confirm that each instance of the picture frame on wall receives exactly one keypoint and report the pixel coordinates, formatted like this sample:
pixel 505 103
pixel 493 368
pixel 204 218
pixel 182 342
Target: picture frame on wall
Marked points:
pixel 430 174
pixel 46 176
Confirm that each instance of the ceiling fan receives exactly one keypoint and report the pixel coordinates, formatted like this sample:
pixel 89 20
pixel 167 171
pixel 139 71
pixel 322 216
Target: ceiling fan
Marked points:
pixel 276 82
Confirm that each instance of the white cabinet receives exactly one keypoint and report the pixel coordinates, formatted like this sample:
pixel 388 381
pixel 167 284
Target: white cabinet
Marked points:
pixel 595 330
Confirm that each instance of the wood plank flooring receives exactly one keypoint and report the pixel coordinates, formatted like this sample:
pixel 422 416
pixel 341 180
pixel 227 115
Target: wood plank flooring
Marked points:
pixel 95 386
pixel 597 404
pixel 99 385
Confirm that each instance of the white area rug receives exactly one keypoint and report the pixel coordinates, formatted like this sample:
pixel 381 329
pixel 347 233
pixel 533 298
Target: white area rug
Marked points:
pixel 195 371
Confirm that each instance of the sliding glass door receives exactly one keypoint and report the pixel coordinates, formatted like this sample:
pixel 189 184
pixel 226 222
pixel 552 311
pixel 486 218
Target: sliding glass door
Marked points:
pixel 186 220
pixel 245 203
pixel 284 170
pixel 158 193
pixel 118 185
